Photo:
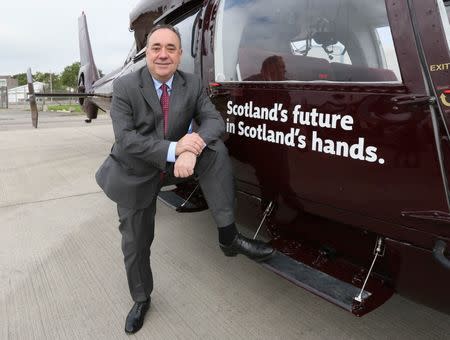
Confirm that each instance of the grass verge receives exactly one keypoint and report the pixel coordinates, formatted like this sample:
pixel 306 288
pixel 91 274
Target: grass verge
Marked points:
pixel 64 108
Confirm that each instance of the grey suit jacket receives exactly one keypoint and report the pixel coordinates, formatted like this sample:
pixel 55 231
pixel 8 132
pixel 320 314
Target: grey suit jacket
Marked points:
pixel 130 175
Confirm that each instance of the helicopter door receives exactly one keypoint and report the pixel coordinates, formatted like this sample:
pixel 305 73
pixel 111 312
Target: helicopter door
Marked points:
pixel 433 39
pixel 325 105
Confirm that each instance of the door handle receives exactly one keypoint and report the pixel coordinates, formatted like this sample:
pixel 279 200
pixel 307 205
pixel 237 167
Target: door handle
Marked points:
pixel 413 99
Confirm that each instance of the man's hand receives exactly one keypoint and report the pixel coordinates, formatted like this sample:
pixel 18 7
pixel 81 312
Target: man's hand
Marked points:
pixel 191 142
pixel 184 165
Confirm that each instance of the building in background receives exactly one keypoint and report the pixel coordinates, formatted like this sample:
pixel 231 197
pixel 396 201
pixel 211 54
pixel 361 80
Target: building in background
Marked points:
pixel 6 82
pixel 19 94
pixel 10 81
pixel 3 94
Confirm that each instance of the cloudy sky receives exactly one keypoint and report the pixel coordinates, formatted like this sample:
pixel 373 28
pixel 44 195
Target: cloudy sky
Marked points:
pixel 43 34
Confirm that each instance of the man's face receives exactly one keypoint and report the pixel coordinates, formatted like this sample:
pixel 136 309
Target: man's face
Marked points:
pixel 163 54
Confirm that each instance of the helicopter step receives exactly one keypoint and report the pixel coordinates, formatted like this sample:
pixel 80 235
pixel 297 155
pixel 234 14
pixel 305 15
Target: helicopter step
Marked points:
pixel 342 285
pixel 185 197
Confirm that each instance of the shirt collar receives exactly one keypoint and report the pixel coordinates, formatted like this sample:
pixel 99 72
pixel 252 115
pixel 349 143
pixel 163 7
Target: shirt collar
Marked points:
pixel 158 84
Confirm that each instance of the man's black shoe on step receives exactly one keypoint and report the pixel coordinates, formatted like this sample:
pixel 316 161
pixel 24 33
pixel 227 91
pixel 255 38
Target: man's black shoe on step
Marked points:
pixel 135 318
pixel 253 249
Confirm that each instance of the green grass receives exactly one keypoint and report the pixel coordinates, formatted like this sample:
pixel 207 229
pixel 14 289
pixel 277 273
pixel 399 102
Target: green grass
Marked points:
pixel 68 108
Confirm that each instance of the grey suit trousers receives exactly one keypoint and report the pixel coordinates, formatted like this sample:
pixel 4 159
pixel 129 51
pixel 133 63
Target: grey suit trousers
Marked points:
pixel 214 173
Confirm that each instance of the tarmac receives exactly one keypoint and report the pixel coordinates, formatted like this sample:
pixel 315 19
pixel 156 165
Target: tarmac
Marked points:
pixel 62 274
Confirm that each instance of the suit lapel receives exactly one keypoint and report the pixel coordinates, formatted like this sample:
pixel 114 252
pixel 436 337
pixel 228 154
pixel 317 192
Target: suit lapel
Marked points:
pixel 148 91
pixel 176 100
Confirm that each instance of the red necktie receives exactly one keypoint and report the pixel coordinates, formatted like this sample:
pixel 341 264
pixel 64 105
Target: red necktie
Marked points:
pixel 164 100
pixel 165 106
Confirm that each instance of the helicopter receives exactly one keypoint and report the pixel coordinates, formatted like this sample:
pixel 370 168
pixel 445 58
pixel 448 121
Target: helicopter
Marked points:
pixel 337 120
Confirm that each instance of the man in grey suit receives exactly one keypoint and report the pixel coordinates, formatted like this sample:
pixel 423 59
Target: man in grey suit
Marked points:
pixel 151 111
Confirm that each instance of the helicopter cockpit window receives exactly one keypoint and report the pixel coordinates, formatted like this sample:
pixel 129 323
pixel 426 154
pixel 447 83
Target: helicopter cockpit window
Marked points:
pixel 444 10
pixel 131 54
pixel 304 40
pixel 185 28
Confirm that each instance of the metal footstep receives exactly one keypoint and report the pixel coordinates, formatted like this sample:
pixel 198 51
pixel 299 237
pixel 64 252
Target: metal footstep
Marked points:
pixel 326 286
pixel 182 200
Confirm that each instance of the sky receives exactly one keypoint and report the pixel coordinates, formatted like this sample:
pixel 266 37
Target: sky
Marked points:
pixel 43 34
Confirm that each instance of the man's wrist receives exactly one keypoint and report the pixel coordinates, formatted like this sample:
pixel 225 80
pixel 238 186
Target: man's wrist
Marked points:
pixel 187 152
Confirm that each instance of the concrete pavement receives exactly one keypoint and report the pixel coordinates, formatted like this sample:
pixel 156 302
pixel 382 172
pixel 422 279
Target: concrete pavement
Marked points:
pixel 62 273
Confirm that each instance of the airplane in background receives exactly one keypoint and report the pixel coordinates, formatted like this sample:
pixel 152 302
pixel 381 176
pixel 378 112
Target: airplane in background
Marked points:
pixel 337 120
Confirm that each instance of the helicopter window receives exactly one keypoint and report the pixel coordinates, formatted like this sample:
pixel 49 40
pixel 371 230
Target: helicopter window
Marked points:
pixel 386 49
pixel 337 52
pixel 185 28
pixel 131 54
pixel 304 40
pixel 444 9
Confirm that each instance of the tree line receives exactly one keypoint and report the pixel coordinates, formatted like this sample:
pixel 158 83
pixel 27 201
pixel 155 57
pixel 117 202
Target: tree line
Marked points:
pixel 68 78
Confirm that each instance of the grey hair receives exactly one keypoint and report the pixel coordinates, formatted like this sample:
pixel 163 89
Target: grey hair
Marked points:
pixel 166 26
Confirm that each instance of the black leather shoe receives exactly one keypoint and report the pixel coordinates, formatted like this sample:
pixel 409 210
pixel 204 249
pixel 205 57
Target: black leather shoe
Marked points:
pixel 253 249
pixel 135 318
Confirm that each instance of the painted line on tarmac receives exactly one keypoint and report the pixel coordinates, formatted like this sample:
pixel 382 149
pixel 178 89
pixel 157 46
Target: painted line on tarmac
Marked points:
pixel 50 199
